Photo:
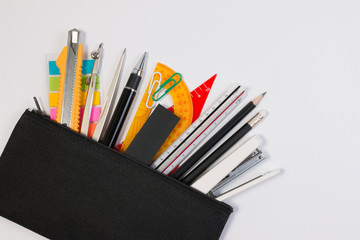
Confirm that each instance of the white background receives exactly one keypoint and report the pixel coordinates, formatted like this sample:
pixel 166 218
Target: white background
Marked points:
pixel 306 54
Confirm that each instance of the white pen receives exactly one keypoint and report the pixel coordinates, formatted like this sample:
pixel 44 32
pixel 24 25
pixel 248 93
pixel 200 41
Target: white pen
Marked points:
pixel 110 99
pixel 251 183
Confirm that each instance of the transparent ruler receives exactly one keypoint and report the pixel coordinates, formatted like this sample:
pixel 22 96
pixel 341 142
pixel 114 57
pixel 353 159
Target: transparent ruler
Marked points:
pixel 199 130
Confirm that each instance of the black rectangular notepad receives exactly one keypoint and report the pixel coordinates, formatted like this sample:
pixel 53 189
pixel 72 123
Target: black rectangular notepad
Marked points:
pixel 63 185
pixel 152 135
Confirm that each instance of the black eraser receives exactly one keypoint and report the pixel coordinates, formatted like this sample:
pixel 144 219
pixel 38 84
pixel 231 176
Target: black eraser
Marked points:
pixel 152 135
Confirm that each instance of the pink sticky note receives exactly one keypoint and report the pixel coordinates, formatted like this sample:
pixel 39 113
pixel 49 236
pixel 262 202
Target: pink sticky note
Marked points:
pixel 53 113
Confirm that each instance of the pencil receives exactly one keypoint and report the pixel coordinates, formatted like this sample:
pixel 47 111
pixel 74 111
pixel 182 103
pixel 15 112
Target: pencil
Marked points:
pixel 194 158
pixel 188 179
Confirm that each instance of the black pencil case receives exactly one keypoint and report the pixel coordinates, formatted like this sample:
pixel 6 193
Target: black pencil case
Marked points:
pixel 62 185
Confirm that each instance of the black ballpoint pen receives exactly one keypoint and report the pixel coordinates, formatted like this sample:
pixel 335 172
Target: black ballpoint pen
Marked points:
pixel 124 104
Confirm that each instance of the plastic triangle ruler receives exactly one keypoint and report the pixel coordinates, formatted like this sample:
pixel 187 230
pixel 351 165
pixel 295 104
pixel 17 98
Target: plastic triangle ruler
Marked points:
pixel 199 96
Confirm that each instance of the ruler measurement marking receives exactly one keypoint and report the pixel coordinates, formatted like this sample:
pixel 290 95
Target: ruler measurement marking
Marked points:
pixel 197 124
pixel 204 132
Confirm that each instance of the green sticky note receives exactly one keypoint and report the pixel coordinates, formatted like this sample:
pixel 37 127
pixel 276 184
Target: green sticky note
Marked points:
pixel 54 83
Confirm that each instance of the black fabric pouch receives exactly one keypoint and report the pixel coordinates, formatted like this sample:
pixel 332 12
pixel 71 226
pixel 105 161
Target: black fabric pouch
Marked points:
pixel 62 185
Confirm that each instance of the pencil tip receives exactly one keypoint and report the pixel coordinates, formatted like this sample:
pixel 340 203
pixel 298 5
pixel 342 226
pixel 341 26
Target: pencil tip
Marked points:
pixel 258 98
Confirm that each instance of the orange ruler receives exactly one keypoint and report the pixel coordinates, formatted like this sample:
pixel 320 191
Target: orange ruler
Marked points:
pixel 183 108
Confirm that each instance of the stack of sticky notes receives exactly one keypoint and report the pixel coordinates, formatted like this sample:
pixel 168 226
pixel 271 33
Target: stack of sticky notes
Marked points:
pixel 54 76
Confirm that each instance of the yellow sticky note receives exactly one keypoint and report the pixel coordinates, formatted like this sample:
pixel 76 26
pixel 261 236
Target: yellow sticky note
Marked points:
pixel 53 99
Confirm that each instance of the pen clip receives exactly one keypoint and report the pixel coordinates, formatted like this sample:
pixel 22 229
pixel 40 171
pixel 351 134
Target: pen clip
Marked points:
pixel 151 87
pixel 171 79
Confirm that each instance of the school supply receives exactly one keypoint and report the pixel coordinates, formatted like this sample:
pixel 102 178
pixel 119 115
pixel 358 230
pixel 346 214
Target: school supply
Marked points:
pixel 110 99
pixel 90 94
pixel 256 157
pixel 251 183
pixel 69 63
pixel 151 89
pixel 53 83
pixel 207 162
pixel 195 157
pixel 196 133
pixel 123 106
pixel 205 182
pixel 172 79
pixel 152 135
pixel 183 108
pixel 143 111
pixel 199 96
